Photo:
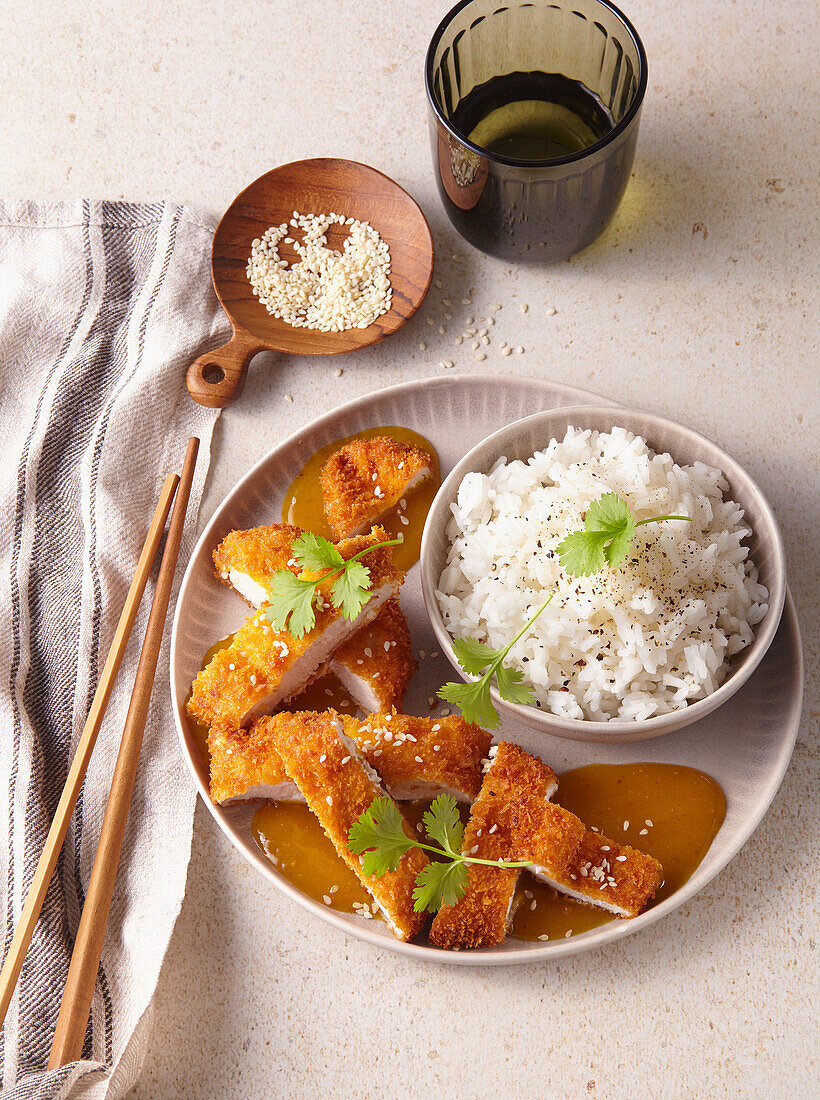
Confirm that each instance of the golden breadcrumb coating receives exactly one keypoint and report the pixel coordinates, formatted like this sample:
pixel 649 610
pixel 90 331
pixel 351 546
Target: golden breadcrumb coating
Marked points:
pixel 366 478
pixel 262 667
pixel 607 874
pixel 444 754
pixel 511 808
pixel 243 762
pixel 338 788
pixel 257 552
pixel 381 656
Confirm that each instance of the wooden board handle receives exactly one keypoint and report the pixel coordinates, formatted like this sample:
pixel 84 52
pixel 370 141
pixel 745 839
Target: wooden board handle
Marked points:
pixel 217 379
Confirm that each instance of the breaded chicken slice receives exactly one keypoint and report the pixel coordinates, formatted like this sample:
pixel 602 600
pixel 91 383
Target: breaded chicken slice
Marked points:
pixel 512 807
pixel 377 664
pixel 423 757
pixel 246 766
pixel 415 758
pixel 338 786
pixel 263 667
pixel 604 873
pixel 366 478
pixel 245 560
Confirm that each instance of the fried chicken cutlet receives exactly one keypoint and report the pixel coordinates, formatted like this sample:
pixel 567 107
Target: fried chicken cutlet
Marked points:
pixel 366 478
pixel 603 873
pixel 512 806
pixel 415 758
pixel 338 786
pixel 263 667
pixel 375 666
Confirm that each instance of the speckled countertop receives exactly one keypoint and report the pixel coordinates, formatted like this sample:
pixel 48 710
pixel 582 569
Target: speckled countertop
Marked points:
pixel 698 303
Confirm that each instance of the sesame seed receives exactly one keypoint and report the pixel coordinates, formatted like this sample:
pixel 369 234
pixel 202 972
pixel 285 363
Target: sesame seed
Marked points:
pixel 329 800
pixel 626 825
pixel 322 758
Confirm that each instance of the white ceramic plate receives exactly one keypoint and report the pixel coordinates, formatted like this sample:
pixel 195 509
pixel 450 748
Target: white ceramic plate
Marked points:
pixel 745 745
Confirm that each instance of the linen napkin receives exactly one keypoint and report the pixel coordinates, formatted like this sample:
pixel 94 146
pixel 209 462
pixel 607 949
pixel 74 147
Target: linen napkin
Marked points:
pixel 102 308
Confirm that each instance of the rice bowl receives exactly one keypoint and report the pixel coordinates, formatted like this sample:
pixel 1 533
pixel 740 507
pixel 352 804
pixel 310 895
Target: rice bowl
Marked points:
pixel 645 638
pixel 683 621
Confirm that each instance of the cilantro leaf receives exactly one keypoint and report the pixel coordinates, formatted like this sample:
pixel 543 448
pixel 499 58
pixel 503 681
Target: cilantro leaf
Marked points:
pixel 609 529
pixel 472 655
pixel 579 554
pixel 378 835
pixel 611 517
pixel 474 700
pixel 443 823
pixel 439 884
pixel 351 591
pixel 316 553
pixel 474 697
pixel 511 686
pixel 290 603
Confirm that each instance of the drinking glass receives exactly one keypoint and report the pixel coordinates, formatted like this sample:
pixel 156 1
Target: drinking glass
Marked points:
pixel 534 210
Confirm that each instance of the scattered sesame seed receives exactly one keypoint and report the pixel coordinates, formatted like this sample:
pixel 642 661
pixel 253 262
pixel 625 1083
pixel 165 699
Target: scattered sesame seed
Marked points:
pixel 338 372
pixel 524 307
pixel 329 800
pixel 423 345
pixel 480 357
pixel 643 832
pixel 626 826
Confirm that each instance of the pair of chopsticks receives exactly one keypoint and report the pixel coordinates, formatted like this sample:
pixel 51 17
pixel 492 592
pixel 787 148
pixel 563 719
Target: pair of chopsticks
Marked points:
pixel 69 1035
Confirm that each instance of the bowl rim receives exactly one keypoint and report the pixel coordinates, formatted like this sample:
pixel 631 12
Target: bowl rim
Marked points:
pixel 585 729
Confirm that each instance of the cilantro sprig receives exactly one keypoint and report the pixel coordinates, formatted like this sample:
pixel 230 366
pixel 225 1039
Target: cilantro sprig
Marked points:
pixel 474 697
pixel 609 528
pixel 291 599
pixel 379 837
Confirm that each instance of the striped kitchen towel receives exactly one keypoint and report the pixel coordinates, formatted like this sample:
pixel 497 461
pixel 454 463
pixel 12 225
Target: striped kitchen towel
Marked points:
pixel 102 308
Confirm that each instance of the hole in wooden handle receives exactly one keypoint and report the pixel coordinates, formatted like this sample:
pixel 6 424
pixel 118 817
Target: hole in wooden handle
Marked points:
pixel 216 379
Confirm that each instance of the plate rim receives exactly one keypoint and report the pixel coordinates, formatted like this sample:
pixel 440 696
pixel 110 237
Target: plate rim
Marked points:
pixel 611 932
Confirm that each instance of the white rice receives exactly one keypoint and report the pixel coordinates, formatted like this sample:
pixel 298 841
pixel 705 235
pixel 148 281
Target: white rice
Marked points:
pixel 643 639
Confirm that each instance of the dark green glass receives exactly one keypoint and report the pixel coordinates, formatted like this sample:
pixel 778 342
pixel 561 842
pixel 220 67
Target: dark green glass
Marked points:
pixel 534 113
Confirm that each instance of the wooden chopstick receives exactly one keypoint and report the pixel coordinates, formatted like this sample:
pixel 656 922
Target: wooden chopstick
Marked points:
pixel 74 781
pixel 69 1034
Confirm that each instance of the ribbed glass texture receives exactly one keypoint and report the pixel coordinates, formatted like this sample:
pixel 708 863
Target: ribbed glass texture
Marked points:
pixel 534 210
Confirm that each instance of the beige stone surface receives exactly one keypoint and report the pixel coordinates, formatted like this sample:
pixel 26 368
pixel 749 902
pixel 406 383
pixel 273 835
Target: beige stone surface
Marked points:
pixel 699 302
